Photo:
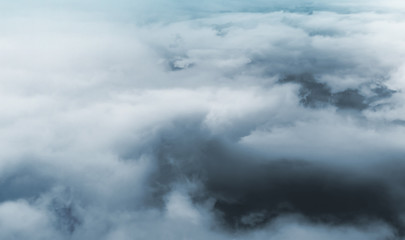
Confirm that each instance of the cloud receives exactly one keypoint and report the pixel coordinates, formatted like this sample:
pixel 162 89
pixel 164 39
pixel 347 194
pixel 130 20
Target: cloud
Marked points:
pixel 231 120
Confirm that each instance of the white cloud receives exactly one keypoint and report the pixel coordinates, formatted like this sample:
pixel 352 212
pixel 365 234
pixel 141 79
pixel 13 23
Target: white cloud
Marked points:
pixel 87 97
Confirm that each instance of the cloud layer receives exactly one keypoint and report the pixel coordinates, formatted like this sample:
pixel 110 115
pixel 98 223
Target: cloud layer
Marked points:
pixel 214 120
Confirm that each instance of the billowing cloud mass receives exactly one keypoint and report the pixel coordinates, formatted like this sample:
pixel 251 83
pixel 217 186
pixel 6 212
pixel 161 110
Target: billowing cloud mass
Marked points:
pixel 202 120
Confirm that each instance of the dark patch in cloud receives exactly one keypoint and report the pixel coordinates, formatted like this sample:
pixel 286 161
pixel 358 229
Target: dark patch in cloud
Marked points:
pixel 399 122
pixel 66 219
pixel 177 150
pixel 180 63
pixel 321 195
pixel 251 190
pixel 382 91
pixel 349 99
pixel 65 212
pixel 324 33
pixel 315 94
pixel 25 183
pixel 222 29
pixel 312 93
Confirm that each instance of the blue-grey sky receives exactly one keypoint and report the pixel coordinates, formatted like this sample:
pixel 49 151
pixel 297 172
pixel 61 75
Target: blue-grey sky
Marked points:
pixel 202 120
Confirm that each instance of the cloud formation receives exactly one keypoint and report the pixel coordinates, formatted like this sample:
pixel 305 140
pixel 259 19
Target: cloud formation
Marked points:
pixel 226 120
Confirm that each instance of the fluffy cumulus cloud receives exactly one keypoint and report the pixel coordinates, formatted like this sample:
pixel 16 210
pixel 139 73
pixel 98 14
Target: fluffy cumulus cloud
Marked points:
pixel 202 120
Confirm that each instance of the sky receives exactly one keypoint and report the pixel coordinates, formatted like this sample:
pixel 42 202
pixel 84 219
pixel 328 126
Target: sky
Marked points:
pixel 202 119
